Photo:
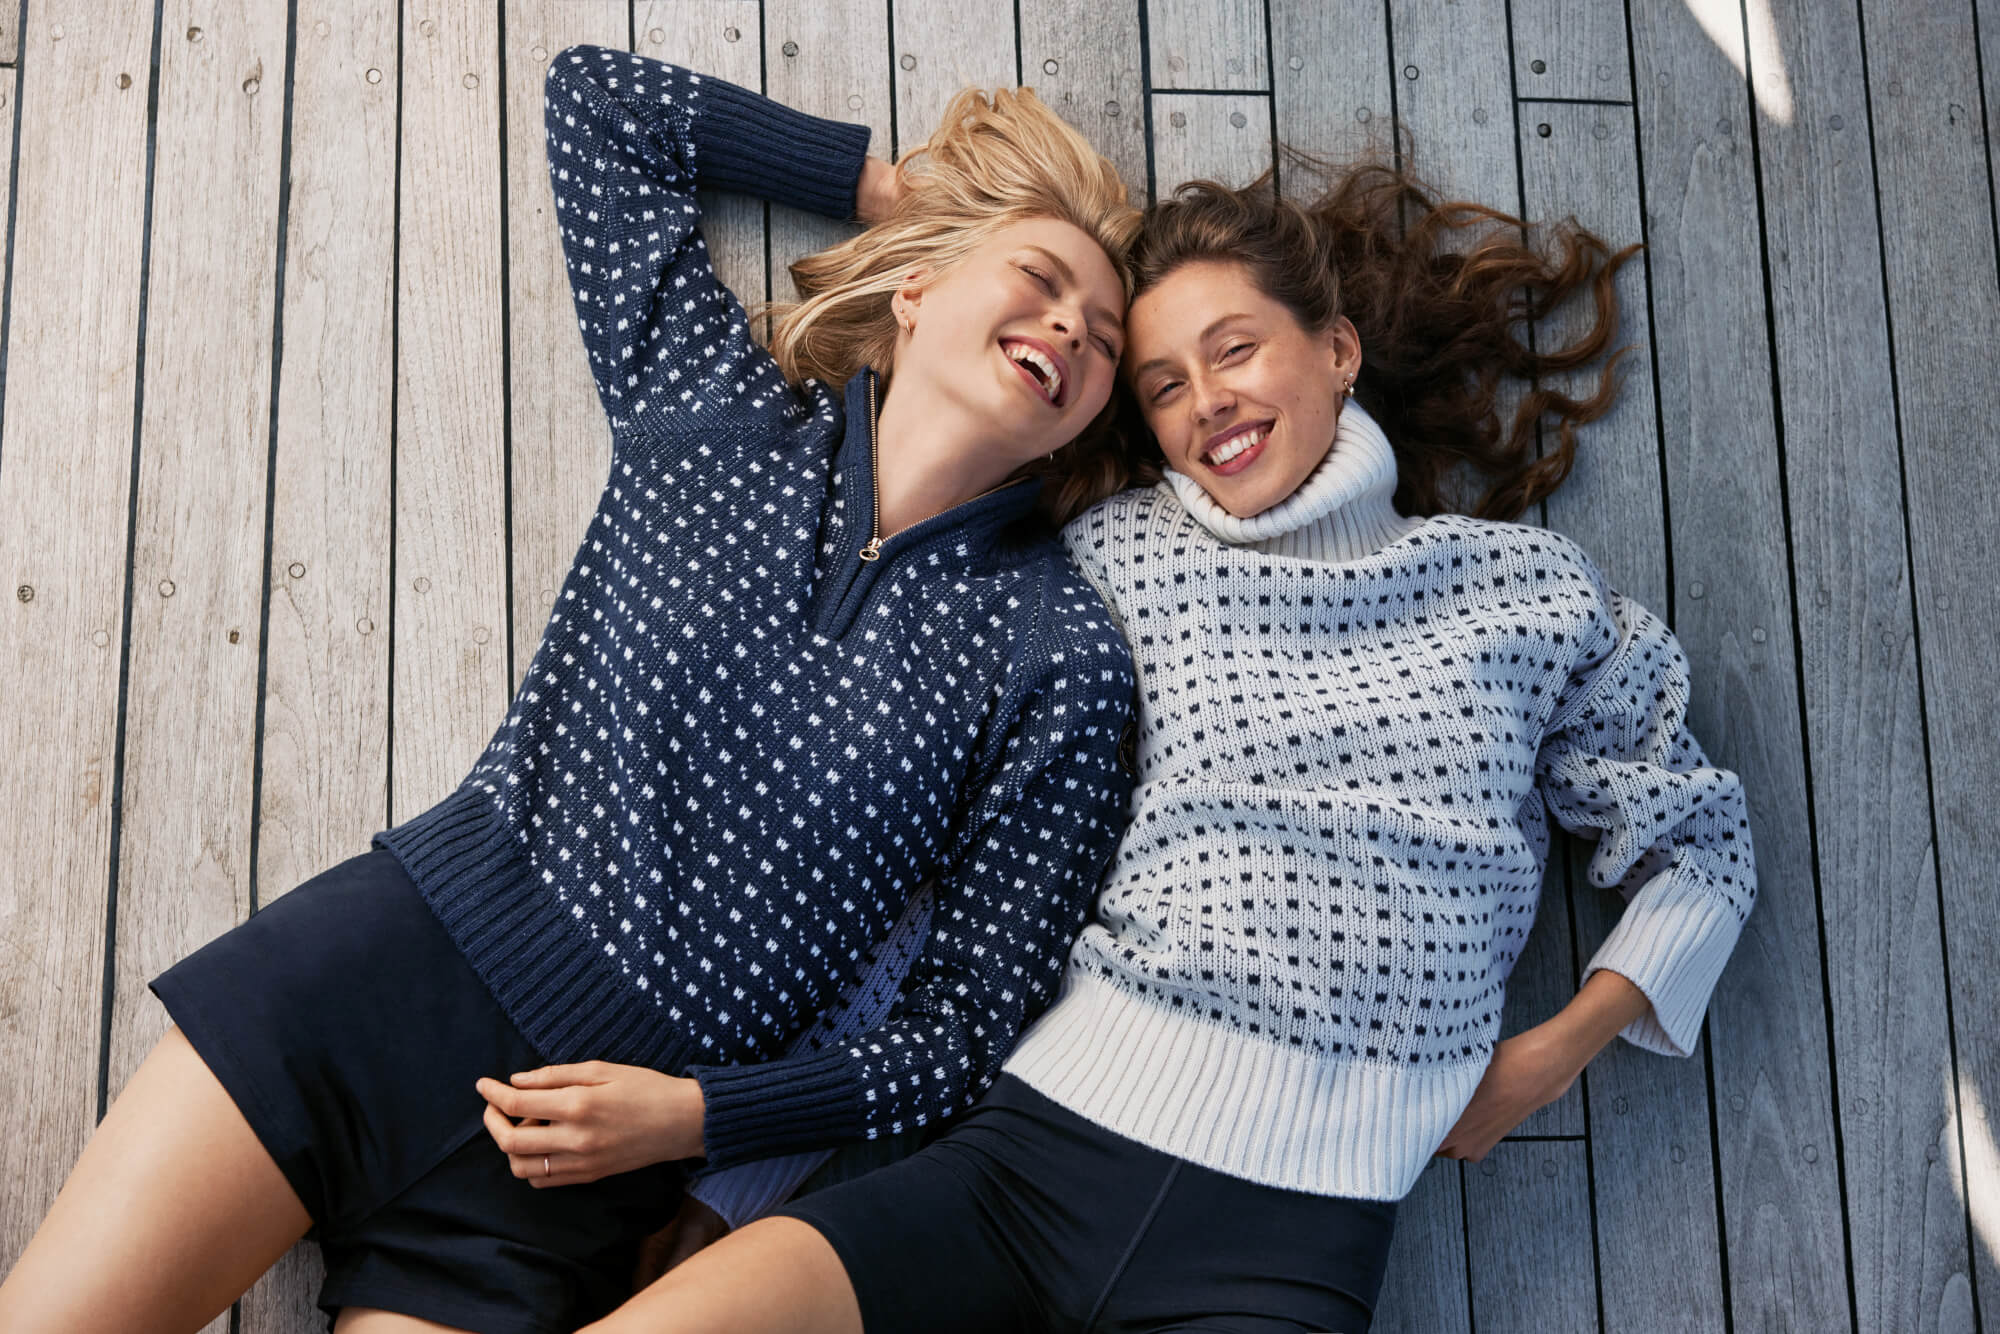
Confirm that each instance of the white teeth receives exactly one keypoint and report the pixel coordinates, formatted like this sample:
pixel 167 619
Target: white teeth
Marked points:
pixel 1233 446
pixel 1053 377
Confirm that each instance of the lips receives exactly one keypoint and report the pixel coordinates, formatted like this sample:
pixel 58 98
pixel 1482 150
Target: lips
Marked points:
pixel 1231 451
pixel 1041 366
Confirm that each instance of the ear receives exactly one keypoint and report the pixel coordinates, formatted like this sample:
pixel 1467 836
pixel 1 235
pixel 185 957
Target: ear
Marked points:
pixel 909 296
pixel 1343 344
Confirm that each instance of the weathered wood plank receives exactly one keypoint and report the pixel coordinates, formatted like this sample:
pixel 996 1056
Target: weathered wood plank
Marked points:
pixel 719 39
pixel 828 57
pixel 1088 64
pixel 1733 612
pixel 561 441
pixel 198 529
pixel 1658 1253
pixel 1878 883
pixel 1205 136
pixel 65 477
pixel 326 647
pixel 1332 79
pixel 939 52
pixel 1527 1204
pixel 451 585
pixel 1217 44
pixel 10 38
pixel 1989 62
pixel 1937 242
pixel 1571 48
pixel 1424 1291
pixel 1453 91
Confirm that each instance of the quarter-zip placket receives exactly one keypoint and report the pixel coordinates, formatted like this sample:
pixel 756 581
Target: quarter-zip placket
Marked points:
pixel 983 513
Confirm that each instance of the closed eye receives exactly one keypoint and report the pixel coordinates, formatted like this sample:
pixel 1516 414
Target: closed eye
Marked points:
pixel 1109 348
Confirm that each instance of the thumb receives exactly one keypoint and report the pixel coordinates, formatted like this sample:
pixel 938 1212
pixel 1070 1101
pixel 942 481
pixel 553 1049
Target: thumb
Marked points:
pixel 546 1077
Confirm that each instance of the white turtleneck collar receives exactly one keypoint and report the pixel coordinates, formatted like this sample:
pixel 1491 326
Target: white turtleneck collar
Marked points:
pixel 1341 512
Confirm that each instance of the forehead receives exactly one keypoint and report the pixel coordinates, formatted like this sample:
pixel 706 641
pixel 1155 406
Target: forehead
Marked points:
pixel 1069 244
pixel 1184 307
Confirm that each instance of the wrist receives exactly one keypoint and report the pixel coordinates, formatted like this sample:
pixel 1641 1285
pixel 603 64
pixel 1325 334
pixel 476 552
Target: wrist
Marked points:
pixel 1602 1008
pixel 689 1120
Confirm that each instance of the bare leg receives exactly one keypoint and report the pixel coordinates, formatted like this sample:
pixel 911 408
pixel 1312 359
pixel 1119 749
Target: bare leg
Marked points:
pixel 366 1320
pixel 776 1274
pixel 170 1214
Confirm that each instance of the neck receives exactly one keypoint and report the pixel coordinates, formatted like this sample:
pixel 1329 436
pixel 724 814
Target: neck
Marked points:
pixel 931 455
pixel 1342 511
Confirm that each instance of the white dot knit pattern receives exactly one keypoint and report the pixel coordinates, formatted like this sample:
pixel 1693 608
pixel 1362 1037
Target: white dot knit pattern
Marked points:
pixel 740 748
pixel 1348 760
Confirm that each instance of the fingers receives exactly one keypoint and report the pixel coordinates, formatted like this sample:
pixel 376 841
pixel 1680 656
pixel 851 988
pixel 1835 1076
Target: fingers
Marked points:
pixel 559 1076
pixel 557 1104
pixel 531 1139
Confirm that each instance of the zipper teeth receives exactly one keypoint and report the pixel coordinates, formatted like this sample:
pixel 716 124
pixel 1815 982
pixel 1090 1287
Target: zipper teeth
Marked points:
pixel 873 547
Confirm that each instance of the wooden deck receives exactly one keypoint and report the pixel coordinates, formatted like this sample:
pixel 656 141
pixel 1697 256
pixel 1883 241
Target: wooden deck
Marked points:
pixel 296 443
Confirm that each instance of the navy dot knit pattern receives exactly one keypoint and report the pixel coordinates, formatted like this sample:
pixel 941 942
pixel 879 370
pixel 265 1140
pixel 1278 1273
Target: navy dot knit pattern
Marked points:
pixel 1354 731
pixel 740 748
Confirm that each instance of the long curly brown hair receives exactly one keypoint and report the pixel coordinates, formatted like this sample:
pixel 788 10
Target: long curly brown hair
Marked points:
pixel 1443 294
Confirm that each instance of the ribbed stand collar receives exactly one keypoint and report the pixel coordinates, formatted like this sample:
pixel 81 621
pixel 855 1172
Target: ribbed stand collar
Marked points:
pixel 1341 512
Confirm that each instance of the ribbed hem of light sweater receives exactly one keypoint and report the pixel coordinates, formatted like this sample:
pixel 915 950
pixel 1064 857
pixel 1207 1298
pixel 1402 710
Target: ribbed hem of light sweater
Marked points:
pixel 1236 1104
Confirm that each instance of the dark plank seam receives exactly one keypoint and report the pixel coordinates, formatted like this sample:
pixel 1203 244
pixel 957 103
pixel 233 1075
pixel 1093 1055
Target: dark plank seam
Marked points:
pixel 507 341
pixel 395 394
pixel 131 539
pixel 1146 96
pixel 13 209
pixel 271 454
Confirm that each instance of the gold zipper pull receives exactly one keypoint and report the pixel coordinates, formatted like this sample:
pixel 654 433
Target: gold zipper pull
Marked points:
pixel 873 550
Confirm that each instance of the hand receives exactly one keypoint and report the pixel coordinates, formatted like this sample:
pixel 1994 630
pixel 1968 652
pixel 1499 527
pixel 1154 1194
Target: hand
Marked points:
pixel 878 192
pixel 1528 1071
pixel 695 1225
pixel 578 1123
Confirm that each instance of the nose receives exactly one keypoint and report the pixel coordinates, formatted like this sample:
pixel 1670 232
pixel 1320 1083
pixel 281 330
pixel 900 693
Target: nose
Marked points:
pixel 1212 399
pixel 1068 326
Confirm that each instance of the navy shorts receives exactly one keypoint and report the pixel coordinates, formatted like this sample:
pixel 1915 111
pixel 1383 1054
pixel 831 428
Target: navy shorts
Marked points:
pixel 1027 1217
pixel 349 1031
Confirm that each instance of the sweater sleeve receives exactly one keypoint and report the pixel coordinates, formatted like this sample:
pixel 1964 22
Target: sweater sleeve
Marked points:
pixel 629 140
pixel 1041 822
pixel 1673 834
pixel 750 1190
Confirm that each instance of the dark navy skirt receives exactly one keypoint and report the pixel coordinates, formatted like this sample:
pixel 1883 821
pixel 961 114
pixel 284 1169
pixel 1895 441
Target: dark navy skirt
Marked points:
pixel 349 1030
pixel 1026 1218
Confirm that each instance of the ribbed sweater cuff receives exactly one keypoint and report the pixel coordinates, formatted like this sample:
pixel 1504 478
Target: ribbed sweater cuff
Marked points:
pixel 781 1106
pixel 751 144
pixel 1671 942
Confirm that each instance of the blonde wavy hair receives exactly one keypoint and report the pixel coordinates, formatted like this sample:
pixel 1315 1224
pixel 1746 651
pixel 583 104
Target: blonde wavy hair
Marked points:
pixel 995 160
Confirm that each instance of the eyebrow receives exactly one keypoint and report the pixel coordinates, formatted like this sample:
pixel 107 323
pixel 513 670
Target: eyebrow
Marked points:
pixel 1101 314
pixel 1204 336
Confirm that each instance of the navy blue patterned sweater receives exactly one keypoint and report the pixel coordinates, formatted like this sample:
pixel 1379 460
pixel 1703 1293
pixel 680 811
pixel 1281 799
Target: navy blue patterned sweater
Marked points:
pixel 739 747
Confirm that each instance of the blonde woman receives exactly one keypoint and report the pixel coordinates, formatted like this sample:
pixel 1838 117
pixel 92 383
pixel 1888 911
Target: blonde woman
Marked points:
pixel 820 645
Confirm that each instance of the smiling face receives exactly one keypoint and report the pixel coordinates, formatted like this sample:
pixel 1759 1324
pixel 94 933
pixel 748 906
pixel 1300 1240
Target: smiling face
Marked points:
pixel 1240 395
pixel 1022 335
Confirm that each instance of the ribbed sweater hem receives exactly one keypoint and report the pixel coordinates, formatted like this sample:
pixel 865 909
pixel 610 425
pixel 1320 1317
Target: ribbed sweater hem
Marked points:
pixel 547 975
pixel 1239 1104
